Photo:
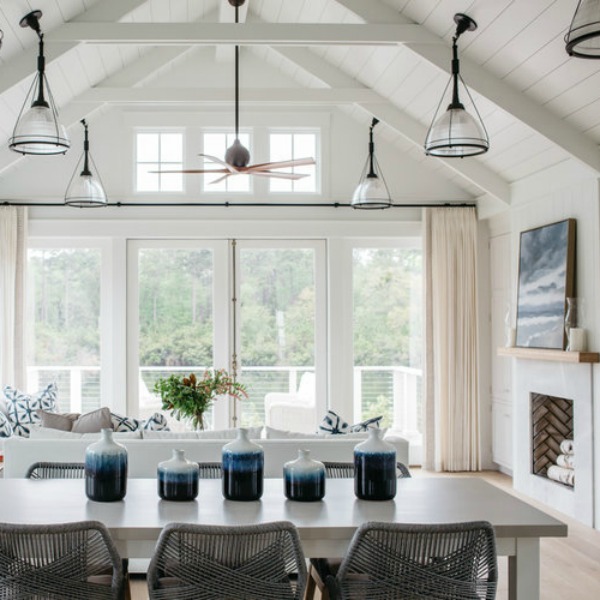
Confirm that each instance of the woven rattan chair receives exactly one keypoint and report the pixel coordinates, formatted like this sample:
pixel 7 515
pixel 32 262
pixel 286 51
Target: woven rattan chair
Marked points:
pixel 55 470
pixel 71 561
pixel 210 470
pixel 454 561
pixel 320 568
pixel 250 562
pixel 343 470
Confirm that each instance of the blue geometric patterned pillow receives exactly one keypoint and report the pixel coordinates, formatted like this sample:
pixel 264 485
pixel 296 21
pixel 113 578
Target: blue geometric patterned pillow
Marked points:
pixel 364 425
pixel 121 423
pixel 156 422
pixel 21 407
pixel 333 423
pixel 6 429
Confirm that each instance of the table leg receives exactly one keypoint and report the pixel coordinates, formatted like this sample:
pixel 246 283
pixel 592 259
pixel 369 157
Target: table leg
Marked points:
pixel 524 570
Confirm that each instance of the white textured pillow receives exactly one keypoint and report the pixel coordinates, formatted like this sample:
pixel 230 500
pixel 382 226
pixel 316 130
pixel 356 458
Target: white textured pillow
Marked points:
pixel 281 434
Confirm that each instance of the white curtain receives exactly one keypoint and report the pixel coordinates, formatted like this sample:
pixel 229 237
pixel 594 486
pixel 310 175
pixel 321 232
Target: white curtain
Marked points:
pixel 452 439
pixel 13 248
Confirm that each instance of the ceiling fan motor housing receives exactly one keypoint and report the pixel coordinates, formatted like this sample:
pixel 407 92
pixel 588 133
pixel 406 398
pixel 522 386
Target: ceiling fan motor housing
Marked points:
pixel 237 155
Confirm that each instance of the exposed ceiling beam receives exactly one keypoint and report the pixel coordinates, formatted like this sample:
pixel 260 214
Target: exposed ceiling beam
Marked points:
pixel 150 95
pixel 24 64
pixel 247 34
pixel 513 101
pixel 412 130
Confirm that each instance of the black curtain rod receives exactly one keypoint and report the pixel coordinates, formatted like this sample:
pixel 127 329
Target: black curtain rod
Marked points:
pixel 242 204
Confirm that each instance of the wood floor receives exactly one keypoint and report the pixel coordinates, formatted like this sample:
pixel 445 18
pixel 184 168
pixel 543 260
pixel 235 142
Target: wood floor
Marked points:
pixel 570 567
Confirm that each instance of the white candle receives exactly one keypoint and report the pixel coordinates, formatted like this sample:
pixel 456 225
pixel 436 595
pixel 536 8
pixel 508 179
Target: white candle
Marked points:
pixel 511 337
pixel 577 339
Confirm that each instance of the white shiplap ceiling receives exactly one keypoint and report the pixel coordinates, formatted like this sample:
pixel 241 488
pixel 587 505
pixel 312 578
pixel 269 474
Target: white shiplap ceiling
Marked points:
pixel 540 107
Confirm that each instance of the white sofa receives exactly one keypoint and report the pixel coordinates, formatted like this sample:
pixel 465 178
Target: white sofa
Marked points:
pixel 145 454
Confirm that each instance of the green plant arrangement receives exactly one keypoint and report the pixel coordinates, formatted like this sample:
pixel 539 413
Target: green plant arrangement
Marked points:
pixel 187 397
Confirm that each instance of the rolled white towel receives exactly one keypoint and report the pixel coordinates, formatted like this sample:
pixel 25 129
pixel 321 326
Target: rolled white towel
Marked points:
pixel 561 474
pixel 567 447
pixel 566 460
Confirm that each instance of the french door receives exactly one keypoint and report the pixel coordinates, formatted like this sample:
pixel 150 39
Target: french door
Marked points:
pixel 256 308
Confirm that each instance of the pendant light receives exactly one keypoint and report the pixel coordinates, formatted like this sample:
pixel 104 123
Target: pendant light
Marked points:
pixel 85 190
pixel 456 133
pixel 372 191
pixel 37 130
pixel 583 38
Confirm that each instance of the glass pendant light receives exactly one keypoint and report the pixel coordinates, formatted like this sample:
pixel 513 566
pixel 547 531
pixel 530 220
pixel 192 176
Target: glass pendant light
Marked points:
pixel 583 38
pixel 372 191
pixel 37 130
pixel 85 190
pixel 456 133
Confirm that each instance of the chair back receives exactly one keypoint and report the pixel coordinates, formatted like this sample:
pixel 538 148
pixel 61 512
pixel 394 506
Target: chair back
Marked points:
pixel 210 470
pixel 345 470
pixel 454 561
pixel 204 562
pixel 56 470
pixel 68 561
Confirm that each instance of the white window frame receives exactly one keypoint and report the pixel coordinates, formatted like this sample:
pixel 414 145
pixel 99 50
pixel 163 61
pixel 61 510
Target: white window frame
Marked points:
pixel 317 132
pixel 106 287
pixel 158 131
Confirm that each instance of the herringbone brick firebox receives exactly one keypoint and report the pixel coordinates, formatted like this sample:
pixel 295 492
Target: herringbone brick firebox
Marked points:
pixel 551 423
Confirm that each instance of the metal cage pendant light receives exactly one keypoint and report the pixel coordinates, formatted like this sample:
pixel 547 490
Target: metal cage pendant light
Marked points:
pixel 37 130
pixel 583 38
pixel 456 133
pixel 85 190
pixel 372 191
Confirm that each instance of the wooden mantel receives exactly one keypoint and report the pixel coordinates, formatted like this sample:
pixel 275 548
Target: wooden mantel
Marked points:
pixel 555 355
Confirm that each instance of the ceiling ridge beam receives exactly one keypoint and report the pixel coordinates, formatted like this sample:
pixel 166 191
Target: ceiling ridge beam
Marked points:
pixel 24 64
pixel 535 116
pixel 473 171
pixel 246 34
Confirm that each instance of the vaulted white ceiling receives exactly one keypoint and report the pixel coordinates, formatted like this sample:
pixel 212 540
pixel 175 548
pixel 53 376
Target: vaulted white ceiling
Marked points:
pixel 388 58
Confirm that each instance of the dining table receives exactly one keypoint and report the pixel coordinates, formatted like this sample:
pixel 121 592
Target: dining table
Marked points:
pixel 325 527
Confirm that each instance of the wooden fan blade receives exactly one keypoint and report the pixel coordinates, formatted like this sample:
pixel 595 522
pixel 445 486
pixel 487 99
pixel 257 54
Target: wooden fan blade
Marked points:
pixel 277 175
pixel 214 159
pixel 193 171
pixel 282 164
pixel 219 179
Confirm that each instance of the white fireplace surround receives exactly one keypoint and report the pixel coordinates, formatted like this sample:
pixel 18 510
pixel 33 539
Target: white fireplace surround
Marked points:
pixel 565 380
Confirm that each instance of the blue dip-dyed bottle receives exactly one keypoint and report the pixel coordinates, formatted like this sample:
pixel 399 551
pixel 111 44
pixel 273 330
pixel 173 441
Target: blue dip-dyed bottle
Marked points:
pixel 304 478
pixel 243 467
pixel 375 468
pixel 106 469
pixel 177 478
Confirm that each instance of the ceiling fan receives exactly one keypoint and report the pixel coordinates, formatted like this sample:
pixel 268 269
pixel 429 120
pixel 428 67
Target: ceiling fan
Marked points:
pixel 237 156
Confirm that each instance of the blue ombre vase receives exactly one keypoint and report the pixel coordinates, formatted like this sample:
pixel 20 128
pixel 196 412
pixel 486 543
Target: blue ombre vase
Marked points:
pixel 106 469
pixel 304 478
pixel 243 466
pixel 177 478
pixel 375 468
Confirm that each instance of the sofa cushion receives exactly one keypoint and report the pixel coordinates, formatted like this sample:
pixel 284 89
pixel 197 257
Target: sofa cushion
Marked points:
pixel 333 423
pixel 22 407
pixel 366 424
pixel 156 422
pixel 280 434
pixel 122 423
pixel 91 422
pixel 46 433
pixel 254 433
pixel 64 422
pixel 6 429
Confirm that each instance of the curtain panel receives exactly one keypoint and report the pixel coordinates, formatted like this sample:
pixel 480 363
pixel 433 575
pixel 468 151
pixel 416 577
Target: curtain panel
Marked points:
pixel 13 258
pixel 452 434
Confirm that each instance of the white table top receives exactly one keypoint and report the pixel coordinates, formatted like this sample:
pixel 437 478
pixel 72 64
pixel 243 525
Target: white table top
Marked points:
pixel 418 500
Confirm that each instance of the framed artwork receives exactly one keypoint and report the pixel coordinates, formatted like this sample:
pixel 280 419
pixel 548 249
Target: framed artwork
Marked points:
pixel 546 280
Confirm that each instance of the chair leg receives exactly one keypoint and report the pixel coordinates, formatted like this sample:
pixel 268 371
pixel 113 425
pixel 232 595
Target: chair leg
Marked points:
pixel 314 584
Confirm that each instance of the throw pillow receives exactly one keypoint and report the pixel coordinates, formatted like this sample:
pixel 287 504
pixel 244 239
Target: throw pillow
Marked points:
pixel 364 425
pixel 121 423
pixel 22 407
pixel 6 429
pixel 156 422
pixel 63 422
pixel 281 434
pixel 93 422
pixel 333 423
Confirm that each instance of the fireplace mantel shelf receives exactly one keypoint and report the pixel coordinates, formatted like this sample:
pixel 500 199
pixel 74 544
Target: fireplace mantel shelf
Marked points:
pixel 555 355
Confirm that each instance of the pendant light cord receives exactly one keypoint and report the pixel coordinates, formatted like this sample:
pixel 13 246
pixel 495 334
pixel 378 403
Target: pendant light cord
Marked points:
pixel 237 80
